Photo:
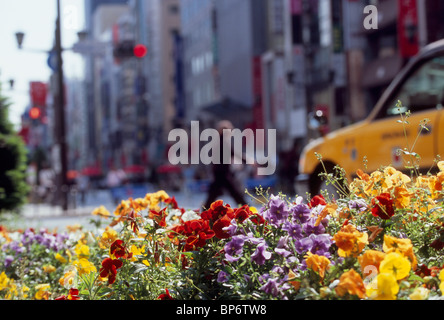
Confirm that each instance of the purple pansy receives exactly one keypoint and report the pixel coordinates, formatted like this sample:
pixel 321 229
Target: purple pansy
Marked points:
pixel 277 212
pixel 301 212
pixel 261 254
pixel 234 248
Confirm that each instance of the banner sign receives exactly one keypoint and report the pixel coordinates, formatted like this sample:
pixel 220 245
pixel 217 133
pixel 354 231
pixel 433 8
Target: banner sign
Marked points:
pixel 38 92
pixel 408 28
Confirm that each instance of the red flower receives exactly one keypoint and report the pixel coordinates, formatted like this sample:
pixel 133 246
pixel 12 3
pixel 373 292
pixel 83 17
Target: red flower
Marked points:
pixel 423 271
pixel 73 295
pixel 219 225
pixel 109 269
pixel 317 200
pixel 118 250
pixel 196 231
pixel 159 217
pixel 383 206
pixel 165 296
pixel 242 213
pixel 172 201
pixel 217 210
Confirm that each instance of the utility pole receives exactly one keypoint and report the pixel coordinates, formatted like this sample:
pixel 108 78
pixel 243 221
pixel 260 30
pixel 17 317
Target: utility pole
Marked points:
pixel 60 125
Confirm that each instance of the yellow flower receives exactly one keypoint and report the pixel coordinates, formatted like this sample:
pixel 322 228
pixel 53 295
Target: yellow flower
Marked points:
pixel 146 262
pixel 4 281
pixel 441 285
pixel 404 246
pixel 101 212
pixel 420 293
pixel 394 178
pixel 11 290
pixel 383 287
pixel 49 269
pixel 350 241
pixel 396 264
pixel 155 198
pixel 84 266
pixel 81 250
pixel 317 263
pixel 351 282
pixel 108 237
pixel 329 209
pixel 74 228
pixel 42 292
pixel 402 197
pixel 123 208
pixel 136 252
pixel 69 279
pixel 60 258
pixel 139 204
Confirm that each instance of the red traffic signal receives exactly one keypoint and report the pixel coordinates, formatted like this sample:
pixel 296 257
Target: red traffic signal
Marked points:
pixel 35 113
pixel 127 49
pixel 140 50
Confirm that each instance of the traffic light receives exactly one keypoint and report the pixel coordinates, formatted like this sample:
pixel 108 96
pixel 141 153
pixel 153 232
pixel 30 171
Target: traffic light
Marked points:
pixel 140 50
pixel 127 49
pixel 35 113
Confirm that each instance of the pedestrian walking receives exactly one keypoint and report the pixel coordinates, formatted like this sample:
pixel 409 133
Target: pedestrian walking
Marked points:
pixel 224 179
pixel 114 180
pixel 83 186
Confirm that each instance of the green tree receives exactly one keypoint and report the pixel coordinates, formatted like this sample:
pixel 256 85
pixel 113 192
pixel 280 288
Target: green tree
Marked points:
pixel 13 186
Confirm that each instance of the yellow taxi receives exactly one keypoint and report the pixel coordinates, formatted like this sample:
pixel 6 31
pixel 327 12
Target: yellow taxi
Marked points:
pixel 405 128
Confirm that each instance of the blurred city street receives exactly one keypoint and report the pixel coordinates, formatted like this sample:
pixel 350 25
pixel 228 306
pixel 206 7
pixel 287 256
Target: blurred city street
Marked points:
pixel 96 95
pixel 50 217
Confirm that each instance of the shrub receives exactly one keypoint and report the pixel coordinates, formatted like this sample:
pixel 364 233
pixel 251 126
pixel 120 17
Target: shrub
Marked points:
pixel 13 187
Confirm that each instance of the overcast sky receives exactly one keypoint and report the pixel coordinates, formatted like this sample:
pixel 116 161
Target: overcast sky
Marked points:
pixel 36 18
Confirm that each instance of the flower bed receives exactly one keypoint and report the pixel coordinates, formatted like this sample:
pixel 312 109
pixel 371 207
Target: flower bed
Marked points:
pixel 383 240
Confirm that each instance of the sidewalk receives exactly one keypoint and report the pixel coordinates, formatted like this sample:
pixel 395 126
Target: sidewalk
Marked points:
pixel 50 217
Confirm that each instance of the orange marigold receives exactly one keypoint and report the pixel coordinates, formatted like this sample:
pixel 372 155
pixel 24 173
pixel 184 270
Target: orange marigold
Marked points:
pixel 370 261
pixel 350 241
pixel 351 283
pixel 317 263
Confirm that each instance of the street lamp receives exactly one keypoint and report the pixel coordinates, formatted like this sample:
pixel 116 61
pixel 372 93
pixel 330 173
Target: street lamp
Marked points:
pixel 60 148
pixel 19 37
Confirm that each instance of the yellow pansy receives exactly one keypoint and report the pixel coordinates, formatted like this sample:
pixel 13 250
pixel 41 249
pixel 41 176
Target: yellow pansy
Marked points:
pixel 69 279
pixel 123 208
pixel 42 291
pixel 81 250
pixel 383 287
pixel 146 262
pixel 441 285
pixel 11 290
pixel 4 281
pixel 402 197
pixel 49 269
pixel 136 252
pixel 396 264
pixel 108 237
pixel 60 258
pixel 403 246
pixel 84 266
pixel 101 212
